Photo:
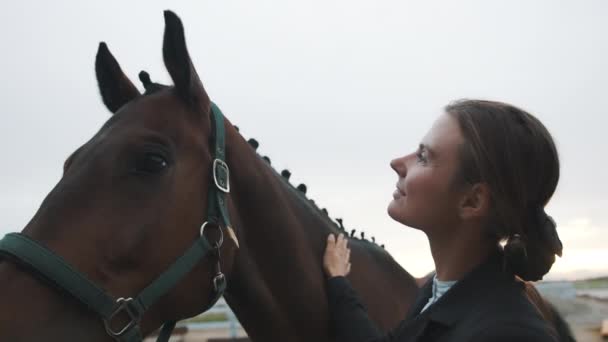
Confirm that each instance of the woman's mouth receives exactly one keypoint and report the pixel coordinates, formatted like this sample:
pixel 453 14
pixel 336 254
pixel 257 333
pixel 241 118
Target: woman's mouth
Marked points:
pixel 398 193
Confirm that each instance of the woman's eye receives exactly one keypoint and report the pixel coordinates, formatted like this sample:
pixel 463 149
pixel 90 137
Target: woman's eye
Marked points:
pixel 151 163
pixel 420 157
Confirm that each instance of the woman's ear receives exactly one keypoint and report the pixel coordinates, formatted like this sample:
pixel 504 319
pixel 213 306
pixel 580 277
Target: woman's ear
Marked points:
pixel 475 202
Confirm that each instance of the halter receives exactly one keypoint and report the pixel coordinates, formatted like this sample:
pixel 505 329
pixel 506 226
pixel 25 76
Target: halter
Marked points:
pixel 55 269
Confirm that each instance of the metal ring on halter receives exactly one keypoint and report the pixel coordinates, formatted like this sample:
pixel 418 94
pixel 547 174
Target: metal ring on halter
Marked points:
pixel 221 240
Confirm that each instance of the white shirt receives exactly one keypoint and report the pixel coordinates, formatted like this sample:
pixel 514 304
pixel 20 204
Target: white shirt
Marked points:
pixel 439 289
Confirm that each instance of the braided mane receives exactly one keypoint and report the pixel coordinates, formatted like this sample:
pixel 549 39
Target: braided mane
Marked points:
pixel 300 190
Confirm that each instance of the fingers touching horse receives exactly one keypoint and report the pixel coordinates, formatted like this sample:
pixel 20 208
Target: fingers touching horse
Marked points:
pixel 132 201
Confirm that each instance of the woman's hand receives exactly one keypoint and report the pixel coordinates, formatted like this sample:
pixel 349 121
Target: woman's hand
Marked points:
pixel 336 260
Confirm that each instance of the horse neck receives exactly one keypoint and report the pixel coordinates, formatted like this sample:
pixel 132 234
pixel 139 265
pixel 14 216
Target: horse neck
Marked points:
pixel 277 275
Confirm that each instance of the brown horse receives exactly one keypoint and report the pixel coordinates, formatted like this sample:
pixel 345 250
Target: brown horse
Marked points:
pixel 132 200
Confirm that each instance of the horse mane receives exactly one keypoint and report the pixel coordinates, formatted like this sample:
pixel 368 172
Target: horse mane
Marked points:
pixel 299 190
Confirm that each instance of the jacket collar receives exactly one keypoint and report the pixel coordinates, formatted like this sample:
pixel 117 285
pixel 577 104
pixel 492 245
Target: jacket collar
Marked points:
pixel 426 291
pixel 467 292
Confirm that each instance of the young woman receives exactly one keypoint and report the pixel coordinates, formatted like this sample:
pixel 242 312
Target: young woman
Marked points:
pixel 482 175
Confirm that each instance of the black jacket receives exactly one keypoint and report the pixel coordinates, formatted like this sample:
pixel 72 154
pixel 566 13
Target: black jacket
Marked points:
pixel 486 305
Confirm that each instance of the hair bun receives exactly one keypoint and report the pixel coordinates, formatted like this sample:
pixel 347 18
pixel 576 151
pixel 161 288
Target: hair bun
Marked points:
pixel 548 227
pixel 515 253
pixel 531 256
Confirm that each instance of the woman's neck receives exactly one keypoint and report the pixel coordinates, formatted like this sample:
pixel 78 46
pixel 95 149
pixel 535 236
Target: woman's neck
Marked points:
pixel 456 256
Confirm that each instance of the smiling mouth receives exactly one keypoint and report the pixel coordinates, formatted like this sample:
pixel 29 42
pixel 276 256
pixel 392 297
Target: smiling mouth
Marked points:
pixel 398 190
pixel 398 193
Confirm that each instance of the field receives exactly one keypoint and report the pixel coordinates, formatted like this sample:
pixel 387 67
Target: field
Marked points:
pixel 585 313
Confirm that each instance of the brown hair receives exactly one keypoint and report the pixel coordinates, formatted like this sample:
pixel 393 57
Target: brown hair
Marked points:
pixel 512 151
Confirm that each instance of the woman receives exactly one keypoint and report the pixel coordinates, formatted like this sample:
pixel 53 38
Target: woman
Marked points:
pixel 481 176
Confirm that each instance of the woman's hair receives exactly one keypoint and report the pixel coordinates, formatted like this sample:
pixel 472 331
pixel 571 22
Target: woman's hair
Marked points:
pixel 514 154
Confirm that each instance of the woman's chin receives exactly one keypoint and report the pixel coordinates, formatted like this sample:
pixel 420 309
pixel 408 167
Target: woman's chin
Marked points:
pixel 396 212
pixel 393 210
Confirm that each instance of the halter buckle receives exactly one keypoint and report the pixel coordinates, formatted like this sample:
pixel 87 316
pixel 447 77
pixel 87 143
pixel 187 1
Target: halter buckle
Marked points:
pixel 221 175
pixel 126 305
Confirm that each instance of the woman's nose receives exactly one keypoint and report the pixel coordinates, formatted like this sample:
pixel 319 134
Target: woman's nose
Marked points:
pixel 399 165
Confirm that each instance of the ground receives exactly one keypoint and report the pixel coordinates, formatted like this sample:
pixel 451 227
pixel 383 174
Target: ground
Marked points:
pixel 584 315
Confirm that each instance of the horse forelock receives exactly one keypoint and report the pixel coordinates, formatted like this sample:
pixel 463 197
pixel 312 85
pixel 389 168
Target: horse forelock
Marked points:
pixel 154 88
pixel 149 86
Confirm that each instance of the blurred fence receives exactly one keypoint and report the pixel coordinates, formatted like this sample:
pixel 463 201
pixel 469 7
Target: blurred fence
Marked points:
pixel 557 289
pixel 231 323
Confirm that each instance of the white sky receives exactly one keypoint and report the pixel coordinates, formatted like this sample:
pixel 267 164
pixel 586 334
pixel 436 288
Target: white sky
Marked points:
pixel 332 90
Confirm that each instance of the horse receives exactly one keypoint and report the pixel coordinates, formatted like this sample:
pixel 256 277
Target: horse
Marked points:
pixel 133 198
pixel 139 196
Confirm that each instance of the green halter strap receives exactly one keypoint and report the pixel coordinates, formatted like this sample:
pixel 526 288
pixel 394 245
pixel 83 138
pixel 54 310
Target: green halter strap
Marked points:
pixel 61 274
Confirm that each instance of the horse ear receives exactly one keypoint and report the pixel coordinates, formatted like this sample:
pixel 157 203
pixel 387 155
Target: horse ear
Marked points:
pixel 178 63
pixel 115 88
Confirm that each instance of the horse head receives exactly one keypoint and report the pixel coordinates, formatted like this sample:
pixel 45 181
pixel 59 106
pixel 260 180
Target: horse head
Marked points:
pixel 131 201
pixel 131 236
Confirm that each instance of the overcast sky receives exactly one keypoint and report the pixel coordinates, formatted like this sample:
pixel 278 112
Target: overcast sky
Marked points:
pixel 332 90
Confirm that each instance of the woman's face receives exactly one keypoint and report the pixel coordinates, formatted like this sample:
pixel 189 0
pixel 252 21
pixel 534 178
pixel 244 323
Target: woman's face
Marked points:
pixel 426 197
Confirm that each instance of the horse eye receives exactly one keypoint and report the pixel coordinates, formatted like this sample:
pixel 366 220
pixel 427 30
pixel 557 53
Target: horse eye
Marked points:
pixel 151 163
